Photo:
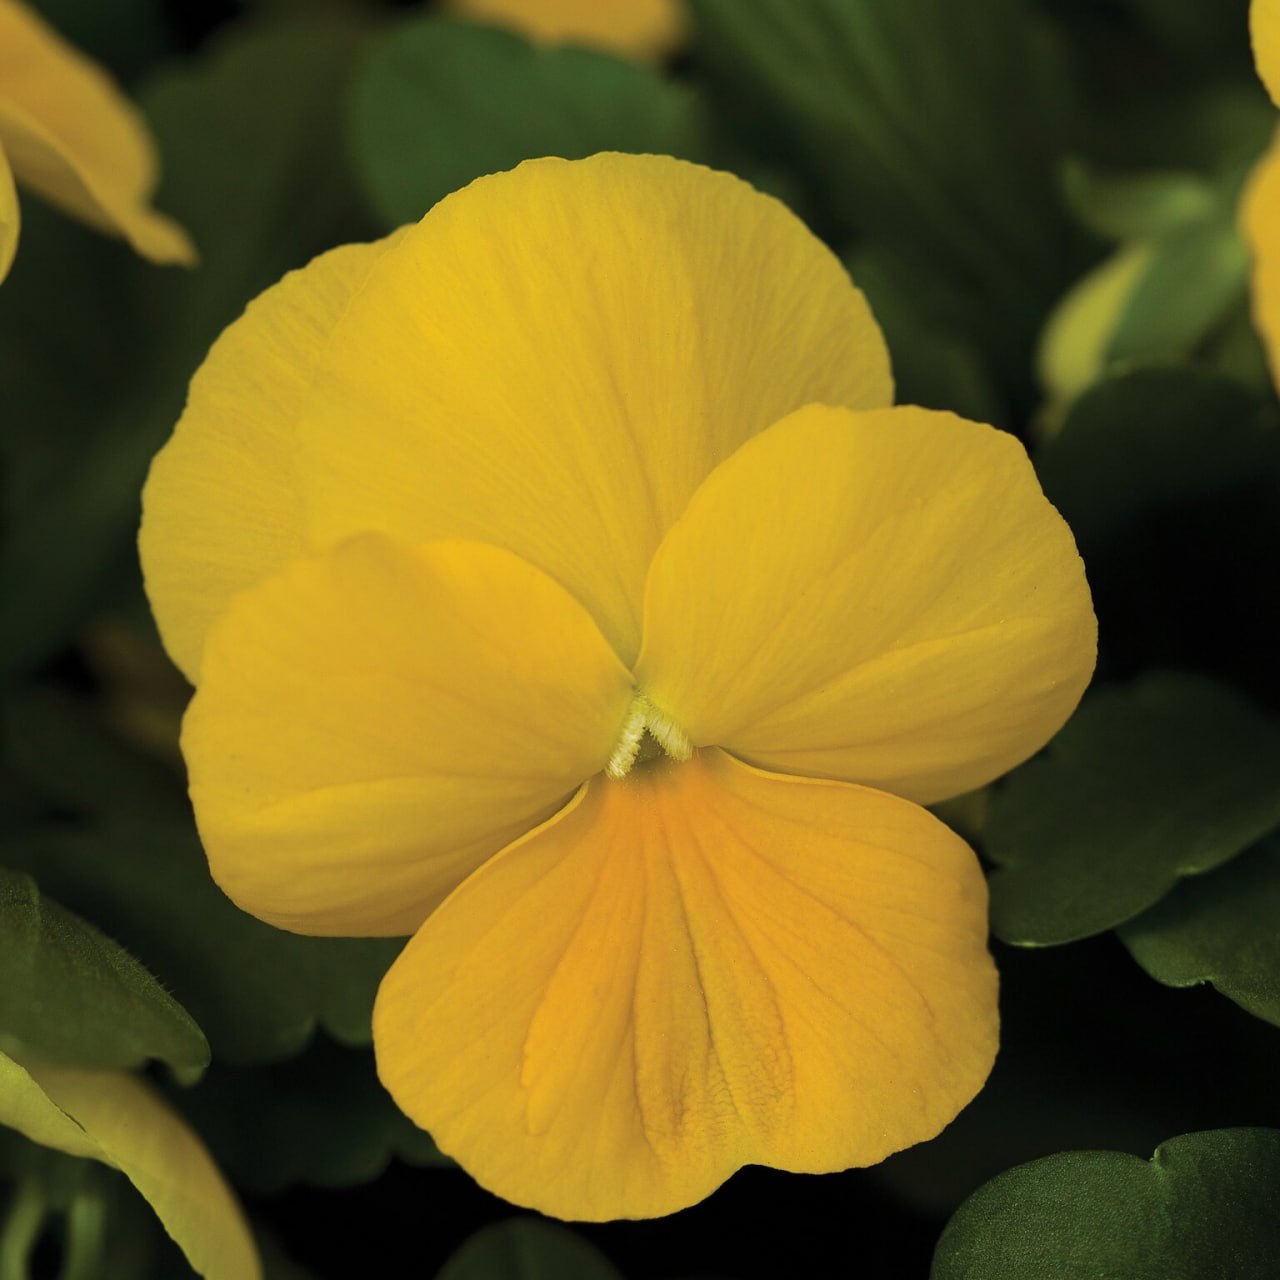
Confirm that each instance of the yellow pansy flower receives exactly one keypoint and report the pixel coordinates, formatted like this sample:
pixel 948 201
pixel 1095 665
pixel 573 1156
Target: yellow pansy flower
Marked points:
pixel 68 133
pixel 641 29
pixel 560 588
pixel 1260 209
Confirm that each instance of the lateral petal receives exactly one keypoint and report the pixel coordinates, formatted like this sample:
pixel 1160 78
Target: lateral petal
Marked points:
pixel 373 724
pixel 695 968
pixel 220 508
pixel 554 358
pixel 75 139
pixel 883 597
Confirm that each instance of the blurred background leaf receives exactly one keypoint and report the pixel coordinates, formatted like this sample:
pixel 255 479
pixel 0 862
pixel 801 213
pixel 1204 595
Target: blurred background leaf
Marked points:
pixel 929 128
pixel 319 1119
pixel 527 1249
pixel 439 103
pixel 1170 480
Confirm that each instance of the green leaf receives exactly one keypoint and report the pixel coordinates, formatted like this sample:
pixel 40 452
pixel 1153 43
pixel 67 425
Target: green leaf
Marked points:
pixel 1219 928
pixel 1168 777
pixel 321 1119
pixel 1198 273
pixel 440 103
pixel 70 994
pixel 527 1249
pixel 121 1121
pixel 1204 1207
pixel 258 992
pixel 932 366
pixel 1128 206
pixel 927 126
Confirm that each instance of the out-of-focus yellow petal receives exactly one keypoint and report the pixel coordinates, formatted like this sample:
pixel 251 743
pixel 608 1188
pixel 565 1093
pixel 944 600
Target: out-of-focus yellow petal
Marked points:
pixel 10 219
pixel 698 967
pixel 884 597
pixel 1264 28
pixel 554 358
pixel 121 1121
pixel 372 724
pixel 642 29
pixel 221 509
pixel 1260 220
pixel 76 140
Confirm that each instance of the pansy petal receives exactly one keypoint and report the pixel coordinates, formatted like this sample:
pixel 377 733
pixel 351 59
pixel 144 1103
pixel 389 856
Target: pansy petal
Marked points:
pixel 75 139
pixel 883 597
pixel 698 967
pixel 1260 219
pixel 10 219
pixel 373 723
pixel 220 508
pixel 634 28
pixel 1264 28
pixel 555 357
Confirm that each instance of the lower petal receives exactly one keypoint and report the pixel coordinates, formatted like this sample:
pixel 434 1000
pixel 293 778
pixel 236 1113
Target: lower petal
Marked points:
pixel 697 967
pixel 9 216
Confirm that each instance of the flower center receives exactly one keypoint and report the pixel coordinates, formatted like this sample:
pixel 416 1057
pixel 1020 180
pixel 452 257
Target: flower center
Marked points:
pixel 647 732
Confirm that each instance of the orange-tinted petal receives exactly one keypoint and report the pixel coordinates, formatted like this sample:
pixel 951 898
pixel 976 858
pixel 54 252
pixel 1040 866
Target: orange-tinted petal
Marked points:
pixel 220 508
pixel 372 724
pixel 555 357
pixel 698 967
pixel 883 597
pixel 76 140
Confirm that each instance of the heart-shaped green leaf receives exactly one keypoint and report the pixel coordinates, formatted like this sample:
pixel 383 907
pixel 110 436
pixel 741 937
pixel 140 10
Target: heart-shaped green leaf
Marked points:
pixel 1222 928
pixel 69 994
pixel 527 1249
pixel 440 103
pixel 321 1118
pixel 1204 1207
pixel 1169 777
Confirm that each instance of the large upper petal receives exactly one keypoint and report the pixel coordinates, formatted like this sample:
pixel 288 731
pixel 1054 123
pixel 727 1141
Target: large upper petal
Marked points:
pixel 220 507
pixel 74 138
pixel 373 723
pixel 1260 219
pixel 884 597
pixel 554 358
pixel 698 967
pixel 1264 28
